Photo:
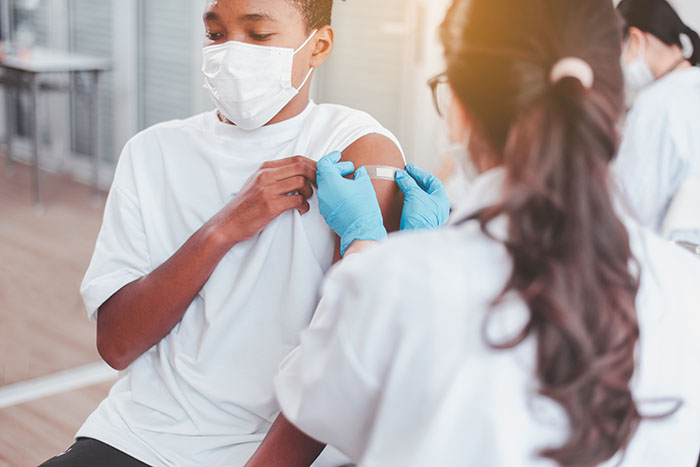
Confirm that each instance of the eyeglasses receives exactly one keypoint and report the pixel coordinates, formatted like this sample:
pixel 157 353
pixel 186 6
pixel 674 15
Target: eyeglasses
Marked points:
pixel 442 93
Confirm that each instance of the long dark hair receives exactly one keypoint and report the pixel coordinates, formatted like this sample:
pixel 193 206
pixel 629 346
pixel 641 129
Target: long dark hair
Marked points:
pixel 658 18
pixel 572 261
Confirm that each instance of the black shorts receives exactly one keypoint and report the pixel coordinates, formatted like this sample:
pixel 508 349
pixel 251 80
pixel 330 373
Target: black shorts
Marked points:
pixel 88 452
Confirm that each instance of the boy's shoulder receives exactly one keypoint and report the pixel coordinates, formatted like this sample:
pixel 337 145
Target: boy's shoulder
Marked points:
pixel 341 126
pixel 339 110
pixel 196 122
pixel 335 114
pixel 149 145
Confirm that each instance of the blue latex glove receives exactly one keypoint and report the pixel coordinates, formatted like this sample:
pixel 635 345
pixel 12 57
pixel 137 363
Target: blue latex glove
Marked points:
pixel 427 205
pixel 350 207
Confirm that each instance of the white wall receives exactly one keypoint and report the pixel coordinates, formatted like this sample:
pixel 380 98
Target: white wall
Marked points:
pixel 385 53
pixel 689 11
pixel 367 68
pixel 423 122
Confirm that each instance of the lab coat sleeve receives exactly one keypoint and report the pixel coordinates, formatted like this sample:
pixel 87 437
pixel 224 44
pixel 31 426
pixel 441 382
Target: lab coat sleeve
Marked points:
pixel 121 254
pixel 649 164
pixel 328 387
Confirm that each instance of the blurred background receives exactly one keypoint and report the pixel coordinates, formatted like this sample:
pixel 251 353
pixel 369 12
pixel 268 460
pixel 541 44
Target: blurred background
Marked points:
pixel 113 68
pixel 385 51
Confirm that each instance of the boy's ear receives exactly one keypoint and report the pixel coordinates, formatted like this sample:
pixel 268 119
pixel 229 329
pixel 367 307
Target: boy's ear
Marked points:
pixel 323 46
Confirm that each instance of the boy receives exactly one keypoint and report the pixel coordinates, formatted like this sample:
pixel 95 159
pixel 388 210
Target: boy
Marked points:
pixel 212 249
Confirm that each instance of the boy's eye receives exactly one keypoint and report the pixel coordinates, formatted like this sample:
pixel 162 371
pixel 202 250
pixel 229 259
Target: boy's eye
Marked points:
pixel 214 36
pixel 260 37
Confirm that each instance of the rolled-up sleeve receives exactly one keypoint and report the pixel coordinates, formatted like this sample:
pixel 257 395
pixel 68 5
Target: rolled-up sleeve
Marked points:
pixel 121 252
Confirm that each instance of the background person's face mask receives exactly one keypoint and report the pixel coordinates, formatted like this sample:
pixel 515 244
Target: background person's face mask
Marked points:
pixel 250 84
pixel 638 74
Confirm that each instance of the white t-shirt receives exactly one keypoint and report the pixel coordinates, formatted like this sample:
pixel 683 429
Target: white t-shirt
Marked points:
pixel 395 371
pixel 204 396
pixel 661 145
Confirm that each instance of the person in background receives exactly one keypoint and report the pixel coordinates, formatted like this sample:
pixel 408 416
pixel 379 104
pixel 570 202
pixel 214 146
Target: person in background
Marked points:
pixel 544 327
pixel 660 150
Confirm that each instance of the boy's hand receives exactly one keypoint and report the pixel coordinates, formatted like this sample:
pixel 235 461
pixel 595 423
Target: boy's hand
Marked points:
pixel 277 187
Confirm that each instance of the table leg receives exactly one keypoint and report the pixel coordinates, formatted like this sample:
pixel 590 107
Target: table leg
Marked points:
pixel 34 119
pixel 10 123
pixel 95 131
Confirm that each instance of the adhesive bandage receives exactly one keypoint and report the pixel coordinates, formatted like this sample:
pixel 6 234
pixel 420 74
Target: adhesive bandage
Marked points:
pixel 381 172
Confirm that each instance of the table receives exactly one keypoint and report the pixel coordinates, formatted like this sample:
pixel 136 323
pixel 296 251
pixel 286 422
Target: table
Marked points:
pixel 37 73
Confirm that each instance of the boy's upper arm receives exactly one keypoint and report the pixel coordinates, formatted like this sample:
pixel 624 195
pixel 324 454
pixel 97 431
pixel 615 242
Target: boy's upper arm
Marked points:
pixel 376 149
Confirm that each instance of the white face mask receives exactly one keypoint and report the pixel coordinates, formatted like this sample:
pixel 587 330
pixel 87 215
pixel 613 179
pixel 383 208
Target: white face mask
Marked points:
pixel 638 74
pixel 250 84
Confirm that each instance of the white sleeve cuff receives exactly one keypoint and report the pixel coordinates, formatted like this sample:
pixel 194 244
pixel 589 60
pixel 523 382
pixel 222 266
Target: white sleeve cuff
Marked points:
pixel 99 290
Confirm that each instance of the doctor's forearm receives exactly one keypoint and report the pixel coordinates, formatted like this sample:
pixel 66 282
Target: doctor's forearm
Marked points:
pixel 145 311
pixel 358 246
pixel 286 445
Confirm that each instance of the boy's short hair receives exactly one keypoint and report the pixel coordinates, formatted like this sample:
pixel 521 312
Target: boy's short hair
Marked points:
pixel 316 13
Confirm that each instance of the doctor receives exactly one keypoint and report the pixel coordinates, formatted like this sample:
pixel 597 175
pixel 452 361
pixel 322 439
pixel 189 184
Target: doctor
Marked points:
pixel 542 327
pixel 660 151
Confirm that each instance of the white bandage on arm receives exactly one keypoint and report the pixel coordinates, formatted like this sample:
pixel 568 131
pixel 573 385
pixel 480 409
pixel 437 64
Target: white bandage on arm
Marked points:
pixel 382 172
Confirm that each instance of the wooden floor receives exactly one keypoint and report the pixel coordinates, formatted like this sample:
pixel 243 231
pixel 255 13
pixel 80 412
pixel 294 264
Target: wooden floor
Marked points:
pixel 43 324
pixel 43 256
pixel 36 431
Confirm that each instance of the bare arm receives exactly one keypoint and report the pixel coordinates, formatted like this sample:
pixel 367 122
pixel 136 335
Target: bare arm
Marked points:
pixel 286 445
pixel 377 149
pixel 143 312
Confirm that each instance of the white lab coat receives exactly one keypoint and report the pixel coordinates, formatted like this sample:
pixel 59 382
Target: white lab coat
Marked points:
pixel 661 146
pixel 395 371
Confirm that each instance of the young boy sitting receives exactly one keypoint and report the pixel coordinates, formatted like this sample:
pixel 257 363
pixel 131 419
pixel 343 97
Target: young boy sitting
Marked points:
pixel 212 250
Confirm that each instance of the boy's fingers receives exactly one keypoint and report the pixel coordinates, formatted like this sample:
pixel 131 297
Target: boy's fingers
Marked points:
pixel 305 169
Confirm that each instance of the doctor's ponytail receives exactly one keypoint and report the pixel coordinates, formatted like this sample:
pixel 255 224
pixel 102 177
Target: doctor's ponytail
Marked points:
pixel 555 135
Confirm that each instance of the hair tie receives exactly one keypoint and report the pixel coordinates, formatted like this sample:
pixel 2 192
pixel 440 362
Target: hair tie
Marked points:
pixel 687 45
pixel 572 67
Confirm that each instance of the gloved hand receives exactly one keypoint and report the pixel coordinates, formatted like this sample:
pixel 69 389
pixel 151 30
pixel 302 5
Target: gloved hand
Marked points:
pixel 426 205
pixel 350 207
